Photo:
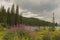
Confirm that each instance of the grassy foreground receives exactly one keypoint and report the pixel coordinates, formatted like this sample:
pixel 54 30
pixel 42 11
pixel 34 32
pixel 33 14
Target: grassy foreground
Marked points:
pixel 26 35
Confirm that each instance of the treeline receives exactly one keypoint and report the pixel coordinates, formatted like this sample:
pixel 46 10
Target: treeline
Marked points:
pixel 36 22
pixel 12 17
pixel 9 16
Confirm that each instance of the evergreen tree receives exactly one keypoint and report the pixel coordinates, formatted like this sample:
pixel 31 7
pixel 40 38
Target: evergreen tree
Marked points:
pixel 12 15
pixel 53 26
pixel 17 15
pixel 3 15
pixel 21 18
pixel 8 17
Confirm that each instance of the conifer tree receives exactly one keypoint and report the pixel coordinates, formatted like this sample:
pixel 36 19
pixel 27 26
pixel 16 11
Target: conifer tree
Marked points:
pixel 3 14
pixel 8 17
pixel 12 15
pixel 17 15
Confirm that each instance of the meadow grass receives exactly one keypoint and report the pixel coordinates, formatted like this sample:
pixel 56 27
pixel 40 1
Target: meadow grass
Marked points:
pixel 33 35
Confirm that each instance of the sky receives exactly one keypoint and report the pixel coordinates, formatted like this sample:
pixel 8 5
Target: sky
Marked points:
pixel 41 9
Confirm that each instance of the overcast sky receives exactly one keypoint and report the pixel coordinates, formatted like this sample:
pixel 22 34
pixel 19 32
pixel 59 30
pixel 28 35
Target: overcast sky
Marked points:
pixel 42 9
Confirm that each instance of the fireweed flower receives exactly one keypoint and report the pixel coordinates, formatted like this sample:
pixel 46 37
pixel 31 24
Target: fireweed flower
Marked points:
pixel 19 27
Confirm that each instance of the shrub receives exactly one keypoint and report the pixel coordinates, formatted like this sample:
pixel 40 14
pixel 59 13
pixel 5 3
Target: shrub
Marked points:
pixel 8 36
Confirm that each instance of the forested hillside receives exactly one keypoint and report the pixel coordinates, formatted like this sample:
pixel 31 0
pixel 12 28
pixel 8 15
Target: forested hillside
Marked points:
pixel 12 17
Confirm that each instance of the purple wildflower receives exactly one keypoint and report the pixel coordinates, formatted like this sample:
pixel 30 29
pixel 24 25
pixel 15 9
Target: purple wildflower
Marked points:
pixel 20 27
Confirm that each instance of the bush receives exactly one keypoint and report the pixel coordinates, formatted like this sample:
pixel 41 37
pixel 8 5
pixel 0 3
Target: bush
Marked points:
pixel 3 25
pixel 9 36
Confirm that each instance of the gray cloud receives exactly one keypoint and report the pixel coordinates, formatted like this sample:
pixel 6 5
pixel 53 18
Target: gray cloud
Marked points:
pixel 34 7
pixel 48 7
pixel 41 7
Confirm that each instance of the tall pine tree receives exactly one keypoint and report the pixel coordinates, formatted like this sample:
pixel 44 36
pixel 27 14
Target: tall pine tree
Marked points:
pixel 17 15
pixel 3 15
pixel 8 17
pixel 12 15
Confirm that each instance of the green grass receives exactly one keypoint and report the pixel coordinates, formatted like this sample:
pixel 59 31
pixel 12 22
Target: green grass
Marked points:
pixel 2 32
pixel 36 35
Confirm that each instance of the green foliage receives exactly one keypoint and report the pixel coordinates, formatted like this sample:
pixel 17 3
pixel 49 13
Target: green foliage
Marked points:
pixel 9 36
pixel 17 15
pixel 2 15
pixel 3 25
pixel 35 22
pixel 12 15
pixel 36 35
pixel 8 17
